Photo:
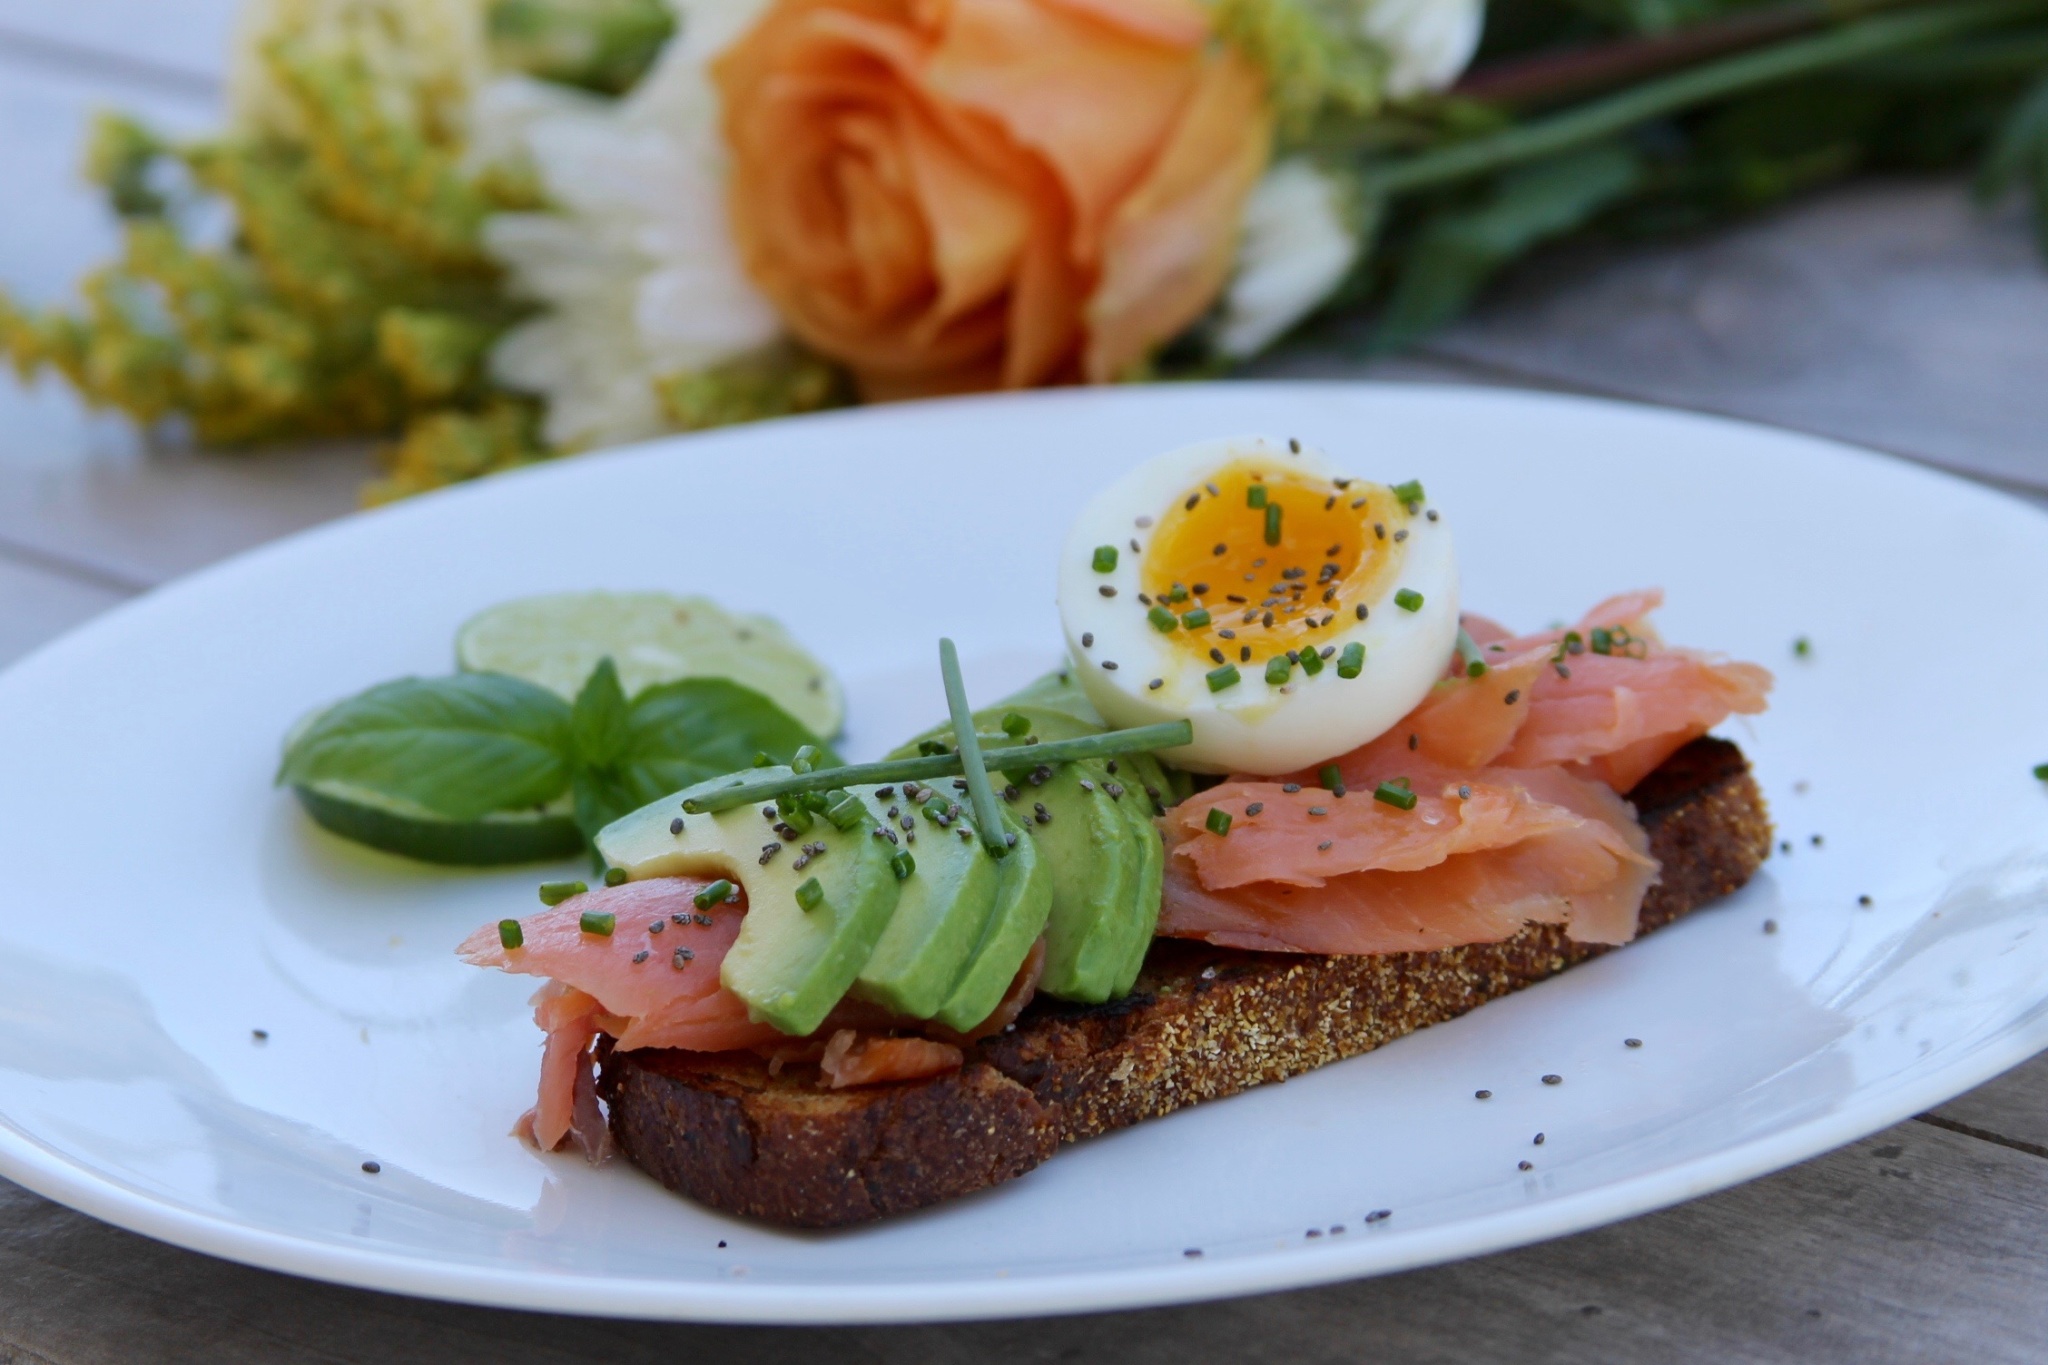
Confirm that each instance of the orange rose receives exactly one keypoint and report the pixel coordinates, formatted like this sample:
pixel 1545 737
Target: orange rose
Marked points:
pixel 952 194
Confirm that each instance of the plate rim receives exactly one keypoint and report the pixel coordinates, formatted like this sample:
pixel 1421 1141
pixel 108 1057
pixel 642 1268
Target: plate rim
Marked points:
pixel 47 1171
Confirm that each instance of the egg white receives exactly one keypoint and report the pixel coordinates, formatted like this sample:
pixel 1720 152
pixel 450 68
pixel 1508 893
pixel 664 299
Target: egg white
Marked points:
pixel 1253 726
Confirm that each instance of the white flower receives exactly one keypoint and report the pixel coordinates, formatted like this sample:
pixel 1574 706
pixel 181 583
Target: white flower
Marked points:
pixel 1429 42
pixel 1296 246
pixel 639 273
pixel 1298 241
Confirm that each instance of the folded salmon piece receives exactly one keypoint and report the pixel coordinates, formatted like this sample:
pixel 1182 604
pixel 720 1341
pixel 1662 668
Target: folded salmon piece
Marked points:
pixel 653 982
pixel 1482 853
pixel 1613 716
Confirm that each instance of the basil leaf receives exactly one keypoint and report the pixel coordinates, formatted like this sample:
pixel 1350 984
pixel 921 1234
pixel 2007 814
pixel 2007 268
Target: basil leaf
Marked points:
pixel 599 719
pixel 678 734
pixel 462 747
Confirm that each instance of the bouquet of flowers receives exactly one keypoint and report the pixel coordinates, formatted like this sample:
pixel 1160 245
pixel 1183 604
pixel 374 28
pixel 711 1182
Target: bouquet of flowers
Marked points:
pixel 493 231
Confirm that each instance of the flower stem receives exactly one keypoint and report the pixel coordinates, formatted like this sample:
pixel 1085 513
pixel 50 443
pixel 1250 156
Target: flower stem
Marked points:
pixel 1543 137
pixel 1142 739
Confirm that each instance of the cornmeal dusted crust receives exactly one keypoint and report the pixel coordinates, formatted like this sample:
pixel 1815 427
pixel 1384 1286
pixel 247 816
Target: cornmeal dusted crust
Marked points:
pixel 1202 1023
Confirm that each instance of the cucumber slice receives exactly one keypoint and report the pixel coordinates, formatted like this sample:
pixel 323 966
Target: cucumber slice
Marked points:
pixel 414 832
pixel 557 640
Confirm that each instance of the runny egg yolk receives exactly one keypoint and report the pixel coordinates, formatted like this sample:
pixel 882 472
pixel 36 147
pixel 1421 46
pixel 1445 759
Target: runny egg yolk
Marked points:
pixel 1278 559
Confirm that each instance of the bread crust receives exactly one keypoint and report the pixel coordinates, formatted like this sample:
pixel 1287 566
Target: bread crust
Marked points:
pixel 1203 1022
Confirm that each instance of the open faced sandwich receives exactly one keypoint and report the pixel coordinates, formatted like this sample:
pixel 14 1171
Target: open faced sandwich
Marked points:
pixel 1284 802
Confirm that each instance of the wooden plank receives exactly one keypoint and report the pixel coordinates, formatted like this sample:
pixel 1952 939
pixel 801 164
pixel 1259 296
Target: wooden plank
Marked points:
pixel 1912 1245
pixel 1896 315
pixel 40 605
pixel 2012 1109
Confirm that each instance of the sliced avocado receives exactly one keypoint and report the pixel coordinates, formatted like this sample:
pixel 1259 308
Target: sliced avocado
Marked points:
pixel 1093 855
pixel 1023 902
pixel 940 913
pixel 1142 919
pixel 789 964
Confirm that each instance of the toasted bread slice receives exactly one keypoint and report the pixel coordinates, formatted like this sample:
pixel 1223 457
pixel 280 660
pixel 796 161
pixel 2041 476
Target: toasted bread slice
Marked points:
pixel 1203 1022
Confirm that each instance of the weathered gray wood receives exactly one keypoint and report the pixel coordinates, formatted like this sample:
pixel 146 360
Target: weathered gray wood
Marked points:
pixel 1917 1244
pixel 37 605
pixel 1896 315
pixel 2012 1109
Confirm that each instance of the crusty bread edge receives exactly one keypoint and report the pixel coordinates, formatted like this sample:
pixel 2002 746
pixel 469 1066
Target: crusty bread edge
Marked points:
pixel 1202 1023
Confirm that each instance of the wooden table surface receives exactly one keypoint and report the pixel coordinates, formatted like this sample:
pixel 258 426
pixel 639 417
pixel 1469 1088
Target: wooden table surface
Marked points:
pixel 1894 314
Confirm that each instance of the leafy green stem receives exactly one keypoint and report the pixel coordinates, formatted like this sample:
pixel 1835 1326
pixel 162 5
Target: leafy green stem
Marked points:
pixel 986 813
pixel 1141 739
pixel 1603 118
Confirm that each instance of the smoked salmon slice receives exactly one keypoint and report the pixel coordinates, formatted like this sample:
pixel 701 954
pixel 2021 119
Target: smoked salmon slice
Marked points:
pixel 1483 852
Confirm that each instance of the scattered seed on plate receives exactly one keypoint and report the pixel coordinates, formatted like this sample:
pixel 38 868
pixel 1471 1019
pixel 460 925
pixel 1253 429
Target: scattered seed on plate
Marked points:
pixel 1770 926
pixel 1864 901
pixel 1631 1042
pixel 1553 1079
pixel 1539 1140
pixel 1482 1094
pixel 371 1167
pixel 1524 1166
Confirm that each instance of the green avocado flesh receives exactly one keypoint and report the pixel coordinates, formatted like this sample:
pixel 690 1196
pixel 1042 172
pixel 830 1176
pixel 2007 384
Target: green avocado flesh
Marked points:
pixel 1023 901
pixel 1104 856
pixel 945 941
pixel 940 913
pixel 790 965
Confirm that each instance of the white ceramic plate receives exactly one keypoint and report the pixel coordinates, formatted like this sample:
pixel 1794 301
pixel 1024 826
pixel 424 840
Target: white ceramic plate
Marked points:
pixel 162 900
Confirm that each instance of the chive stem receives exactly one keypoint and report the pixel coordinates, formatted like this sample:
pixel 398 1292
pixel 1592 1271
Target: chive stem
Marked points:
pixel 1468 650
pixel 987 814
pixel 746 788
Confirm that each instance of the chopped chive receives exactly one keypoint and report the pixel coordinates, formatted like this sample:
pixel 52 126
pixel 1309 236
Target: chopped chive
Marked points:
pixel 783 788
pixel 1219 820
pixel 1016 726
pixel 1311 662
pixel 1802 648
pixel 510 934
pixel 1468 650
pixel 903 865
pixel 987 814
pixel 1398 796
pixel 762 759
pixel 615 876
pixel 1163 621
pixel 1408 600
pixel 554 893
pixel 795 813
pixel 2041 771
pixel 806 759
pixel 1278 669
pixel 1351 662
pixel 718 893
pixel 1178 594
pixel 843 809
pixel 1273 523
pixel 1409 492
pixel 1331 776
pixel 1196 619
pixel 810 895
pixel 1105 559
pixel 1255 496
pixel 1602 640
pixel 599 922
pixel 1220 678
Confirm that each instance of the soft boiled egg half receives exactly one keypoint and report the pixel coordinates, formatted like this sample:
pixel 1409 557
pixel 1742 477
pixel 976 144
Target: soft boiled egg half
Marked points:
pixel 1289 611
